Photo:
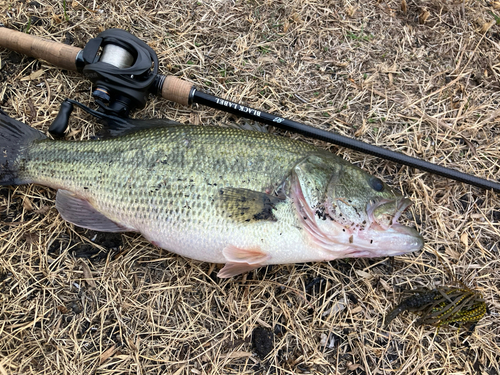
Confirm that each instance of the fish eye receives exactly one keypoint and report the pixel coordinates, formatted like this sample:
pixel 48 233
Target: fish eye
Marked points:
pixel 376 184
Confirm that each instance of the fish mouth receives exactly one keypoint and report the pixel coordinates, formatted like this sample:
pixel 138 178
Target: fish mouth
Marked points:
pixel 386 233
pixel 382 235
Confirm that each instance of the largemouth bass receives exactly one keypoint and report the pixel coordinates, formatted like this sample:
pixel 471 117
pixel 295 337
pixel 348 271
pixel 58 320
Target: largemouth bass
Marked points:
pixel 243 198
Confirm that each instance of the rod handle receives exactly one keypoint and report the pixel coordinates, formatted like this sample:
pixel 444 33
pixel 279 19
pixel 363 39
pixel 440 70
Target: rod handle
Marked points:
pixel 176 90
pixel 57 54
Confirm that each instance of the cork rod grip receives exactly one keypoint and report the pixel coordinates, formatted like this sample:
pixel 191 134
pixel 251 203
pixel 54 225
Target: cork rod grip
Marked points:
pixel 58 54
pixel 176 90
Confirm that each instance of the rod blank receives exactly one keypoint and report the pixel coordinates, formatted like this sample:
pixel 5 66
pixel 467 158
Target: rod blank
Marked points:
pixel 182 92
pixel 340 140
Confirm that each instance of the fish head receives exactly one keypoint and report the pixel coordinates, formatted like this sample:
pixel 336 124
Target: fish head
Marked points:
pixel 349 212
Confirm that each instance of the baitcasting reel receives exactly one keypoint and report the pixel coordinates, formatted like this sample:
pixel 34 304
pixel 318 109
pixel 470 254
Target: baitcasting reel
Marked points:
pixel 123 72
pixel 123 69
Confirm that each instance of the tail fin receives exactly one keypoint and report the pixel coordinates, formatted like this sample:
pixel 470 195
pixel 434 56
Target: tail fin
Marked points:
pixel 15 136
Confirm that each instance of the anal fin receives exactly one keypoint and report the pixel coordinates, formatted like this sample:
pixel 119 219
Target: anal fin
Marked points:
pixel 81 213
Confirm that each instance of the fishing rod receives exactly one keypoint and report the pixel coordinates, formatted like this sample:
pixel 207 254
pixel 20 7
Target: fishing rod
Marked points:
pixel 124 71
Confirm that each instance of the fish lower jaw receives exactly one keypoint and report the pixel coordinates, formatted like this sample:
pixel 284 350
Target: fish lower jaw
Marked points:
pixel 396 240
pixel 367 243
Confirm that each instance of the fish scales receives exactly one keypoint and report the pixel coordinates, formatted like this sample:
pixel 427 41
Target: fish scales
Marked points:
pixel 165 176
pixel 215 194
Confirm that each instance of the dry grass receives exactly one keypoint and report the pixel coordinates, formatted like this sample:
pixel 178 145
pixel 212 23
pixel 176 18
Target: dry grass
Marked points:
pixel 421 77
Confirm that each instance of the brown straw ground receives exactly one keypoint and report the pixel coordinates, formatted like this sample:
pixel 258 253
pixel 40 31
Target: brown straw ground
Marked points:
pixel 420 77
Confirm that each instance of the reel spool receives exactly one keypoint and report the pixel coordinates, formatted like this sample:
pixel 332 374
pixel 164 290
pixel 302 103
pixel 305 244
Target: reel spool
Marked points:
pixel 123 69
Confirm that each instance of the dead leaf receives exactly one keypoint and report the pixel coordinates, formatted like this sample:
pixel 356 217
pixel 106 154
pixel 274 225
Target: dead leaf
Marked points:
pixel 63 309
pixel 30 237
pixel 464 238
pixel 238 354
pixel 195 119
pixel 452 254
pixel 357 309
pixel 486 26
pixel 180 370
pixel 423 17
pixel 74 132
pixel 296 18
pixel 363 274
pixel 57 18
pixel 133 345
pixel 286 26
pixel 108 353
pixel 87 274
pixel 339 306
pixel 351 10
pixel 386 286
pixel 42 210
pixel 33 75
pixel 361 130
pixel 353 366
pixel 27 204
pixel 261 322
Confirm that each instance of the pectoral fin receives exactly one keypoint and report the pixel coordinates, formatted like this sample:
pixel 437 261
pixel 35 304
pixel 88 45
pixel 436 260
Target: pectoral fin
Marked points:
pixel 241 260
pixel 81 213
pixel 246 205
